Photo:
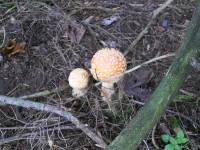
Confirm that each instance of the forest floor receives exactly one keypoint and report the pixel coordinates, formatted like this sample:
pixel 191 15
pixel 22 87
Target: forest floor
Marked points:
pixel 62 35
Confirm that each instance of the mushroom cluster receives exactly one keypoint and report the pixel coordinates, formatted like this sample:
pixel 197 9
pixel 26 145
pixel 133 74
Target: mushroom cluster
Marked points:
pixel 107 66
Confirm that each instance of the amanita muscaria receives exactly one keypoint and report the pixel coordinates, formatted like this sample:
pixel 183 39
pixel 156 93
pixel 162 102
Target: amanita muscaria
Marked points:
pixel 107 66
pixel 78 79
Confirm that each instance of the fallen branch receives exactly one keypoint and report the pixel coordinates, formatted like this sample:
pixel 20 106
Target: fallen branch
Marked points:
pixel 148 116
pixel 143 32
pixel 43 93
pixel 52 109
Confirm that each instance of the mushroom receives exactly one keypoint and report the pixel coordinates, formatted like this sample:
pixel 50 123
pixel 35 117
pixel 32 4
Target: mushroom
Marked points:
pixel 78 79
pixel 107 66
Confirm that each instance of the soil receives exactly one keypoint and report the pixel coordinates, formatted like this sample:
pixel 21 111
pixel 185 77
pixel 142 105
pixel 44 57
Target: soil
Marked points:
pixel 50 30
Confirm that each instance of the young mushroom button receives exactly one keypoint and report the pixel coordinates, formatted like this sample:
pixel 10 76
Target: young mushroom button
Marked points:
pixel 107 65
pixel 78 79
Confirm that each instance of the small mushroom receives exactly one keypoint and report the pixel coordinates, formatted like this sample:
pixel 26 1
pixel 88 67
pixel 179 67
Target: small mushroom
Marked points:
pixel 78 79
pixel 107 66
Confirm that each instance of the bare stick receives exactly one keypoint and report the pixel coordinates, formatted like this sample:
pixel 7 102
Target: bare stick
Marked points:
pixel 143 32
pixel 43 93
pixel 4 37
pixel 52 109
pixel 153 138
pixel 149 61
pixel 36 127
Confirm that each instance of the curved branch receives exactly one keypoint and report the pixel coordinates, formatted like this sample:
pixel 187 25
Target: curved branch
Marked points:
pixel 55 110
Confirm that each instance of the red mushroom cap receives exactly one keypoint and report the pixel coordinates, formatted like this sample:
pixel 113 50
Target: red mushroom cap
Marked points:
pixel 108 63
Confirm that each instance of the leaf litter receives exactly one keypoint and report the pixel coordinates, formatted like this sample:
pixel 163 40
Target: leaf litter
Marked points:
pixel 133 84
pixel 74 31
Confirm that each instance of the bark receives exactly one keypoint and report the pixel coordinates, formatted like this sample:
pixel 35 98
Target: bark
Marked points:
pixel 131 136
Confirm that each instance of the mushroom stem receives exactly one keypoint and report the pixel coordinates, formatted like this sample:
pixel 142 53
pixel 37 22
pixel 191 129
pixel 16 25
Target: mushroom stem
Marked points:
pixel 108 88
pixel 107 93
pixel 79 92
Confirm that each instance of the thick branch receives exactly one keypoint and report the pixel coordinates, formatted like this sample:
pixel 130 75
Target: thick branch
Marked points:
pixel 55 110
pixel 146 118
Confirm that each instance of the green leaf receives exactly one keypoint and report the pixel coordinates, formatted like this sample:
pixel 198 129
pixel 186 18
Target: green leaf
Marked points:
pixel 173 141
pixel 165 138
pixel 177 147
pixel 169 147
pixel 182 140
pixel 180 134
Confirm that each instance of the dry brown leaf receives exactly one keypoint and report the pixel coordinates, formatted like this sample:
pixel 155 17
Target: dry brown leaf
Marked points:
pixel 133 84
pixel 11 44
pixel 13 48
pixel 74 32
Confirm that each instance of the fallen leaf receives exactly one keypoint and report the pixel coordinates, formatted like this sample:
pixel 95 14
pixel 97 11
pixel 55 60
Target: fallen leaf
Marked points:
pixel 133 84
pixel 74 31
pixel 13 48
pixel 165 24
pixel 109 20
pixel 11 44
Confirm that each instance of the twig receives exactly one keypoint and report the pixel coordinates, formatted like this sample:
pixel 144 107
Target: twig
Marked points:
pixel 9 10
pixel 25 135
pixel 147 147
pixel 104 9
pixel 17 138
pixel 11 118
pixel 43 93
pixel 4 37
pixel 153 139
pixel 145 63
pixel 35 127
pixel 143 32
pixel 52 109
pixel 188 93
pixel 149 61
